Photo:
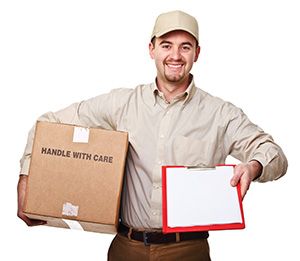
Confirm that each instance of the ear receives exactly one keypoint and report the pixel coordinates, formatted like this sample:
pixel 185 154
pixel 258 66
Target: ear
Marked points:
pixel 197 53
pixel 151 50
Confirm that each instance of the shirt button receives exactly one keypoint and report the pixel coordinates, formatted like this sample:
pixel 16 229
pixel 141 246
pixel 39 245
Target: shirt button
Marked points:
pixel 154 213
pixel 162 136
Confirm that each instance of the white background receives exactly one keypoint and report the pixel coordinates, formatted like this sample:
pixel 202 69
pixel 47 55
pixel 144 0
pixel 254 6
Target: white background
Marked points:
pixel 53 53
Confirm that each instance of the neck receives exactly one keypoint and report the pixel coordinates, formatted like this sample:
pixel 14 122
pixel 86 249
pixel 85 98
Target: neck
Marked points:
pixel 170 89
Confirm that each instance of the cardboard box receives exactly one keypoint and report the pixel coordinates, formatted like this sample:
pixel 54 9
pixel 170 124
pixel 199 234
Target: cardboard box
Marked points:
pixel 76 176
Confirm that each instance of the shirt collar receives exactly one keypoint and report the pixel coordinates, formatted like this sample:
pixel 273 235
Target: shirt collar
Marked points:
pixel 189 92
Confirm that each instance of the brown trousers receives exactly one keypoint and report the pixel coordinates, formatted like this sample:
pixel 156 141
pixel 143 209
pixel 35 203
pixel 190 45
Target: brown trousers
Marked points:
pixel 123 249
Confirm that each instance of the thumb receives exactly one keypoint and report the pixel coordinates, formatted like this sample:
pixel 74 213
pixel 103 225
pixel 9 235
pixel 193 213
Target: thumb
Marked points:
pixel 236 176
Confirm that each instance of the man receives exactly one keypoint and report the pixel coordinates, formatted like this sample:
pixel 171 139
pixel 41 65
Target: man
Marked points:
pixel 170 122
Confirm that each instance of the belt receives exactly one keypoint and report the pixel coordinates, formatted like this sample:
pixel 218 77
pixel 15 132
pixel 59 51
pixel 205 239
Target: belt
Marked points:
pixel 158 237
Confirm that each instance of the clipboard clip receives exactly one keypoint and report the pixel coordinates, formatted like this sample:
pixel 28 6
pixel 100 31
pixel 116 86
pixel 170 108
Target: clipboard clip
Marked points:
pixel 200 168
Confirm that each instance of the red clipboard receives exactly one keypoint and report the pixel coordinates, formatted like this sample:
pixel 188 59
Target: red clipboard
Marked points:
pixel 198 227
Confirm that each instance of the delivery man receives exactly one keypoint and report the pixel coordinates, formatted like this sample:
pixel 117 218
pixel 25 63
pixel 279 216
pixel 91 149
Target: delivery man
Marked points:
pixel 170 122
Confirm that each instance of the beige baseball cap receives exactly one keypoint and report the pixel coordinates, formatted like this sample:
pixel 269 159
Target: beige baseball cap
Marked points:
pixel 175 20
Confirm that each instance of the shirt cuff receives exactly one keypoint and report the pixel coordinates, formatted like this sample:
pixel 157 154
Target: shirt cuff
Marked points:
pixel 25 167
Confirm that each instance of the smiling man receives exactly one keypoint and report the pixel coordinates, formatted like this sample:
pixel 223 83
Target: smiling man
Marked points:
pixel 170 122
pixel 174 54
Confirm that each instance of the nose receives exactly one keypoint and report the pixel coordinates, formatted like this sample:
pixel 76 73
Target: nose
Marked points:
pixel 175 53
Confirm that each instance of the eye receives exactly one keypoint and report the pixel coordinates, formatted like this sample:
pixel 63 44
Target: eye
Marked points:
pixel 166 46
pixel 186 47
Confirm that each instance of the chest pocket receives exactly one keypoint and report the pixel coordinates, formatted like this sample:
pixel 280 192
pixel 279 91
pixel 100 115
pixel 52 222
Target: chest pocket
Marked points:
pixel 193 152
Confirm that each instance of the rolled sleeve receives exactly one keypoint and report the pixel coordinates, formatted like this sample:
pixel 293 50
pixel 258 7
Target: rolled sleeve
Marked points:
pixel 246 141
pixel 274 162
pixel 25 160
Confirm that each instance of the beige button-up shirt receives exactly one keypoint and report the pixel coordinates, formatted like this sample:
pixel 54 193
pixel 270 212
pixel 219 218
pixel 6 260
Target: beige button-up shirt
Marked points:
pixel 195 129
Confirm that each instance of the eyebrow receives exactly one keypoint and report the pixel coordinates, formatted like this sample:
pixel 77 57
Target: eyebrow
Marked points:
pixel 165 42
pixel 187 43
pixel 168 42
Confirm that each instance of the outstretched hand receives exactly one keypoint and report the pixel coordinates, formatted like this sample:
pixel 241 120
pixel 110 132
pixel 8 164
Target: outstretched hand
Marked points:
pixel 244 174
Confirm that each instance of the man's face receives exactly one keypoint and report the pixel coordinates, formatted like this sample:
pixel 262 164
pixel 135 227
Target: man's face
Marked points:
pixel 174 54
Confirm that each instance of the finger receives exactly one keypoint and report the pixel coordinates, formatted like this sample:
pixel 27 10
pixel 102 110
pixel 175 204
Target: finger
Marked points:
pixel 36 222
pixel 238 172
pixel 31 222
pixel 245 184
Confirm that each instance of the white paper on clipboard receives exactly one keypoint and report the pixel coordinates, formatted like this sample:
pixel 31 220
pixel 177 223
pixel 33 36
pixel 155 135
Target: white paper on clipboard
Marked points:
pixel 201 197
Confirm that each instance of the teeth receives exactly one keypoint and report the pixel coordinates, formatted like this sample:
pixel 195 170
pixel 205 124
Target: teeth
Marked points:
pixel 174 65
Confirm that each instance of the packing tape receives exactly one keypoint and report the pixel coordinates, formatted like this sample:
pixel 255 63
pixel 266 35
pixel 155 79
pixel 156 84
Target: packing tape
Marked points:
pixel 70 210
pixel 72 224
pixel 81 135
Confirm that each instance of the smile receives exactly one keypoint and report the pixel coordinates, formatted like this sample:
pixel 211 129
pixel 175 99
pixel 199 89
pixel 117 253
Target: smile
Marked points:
pixel 174 66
